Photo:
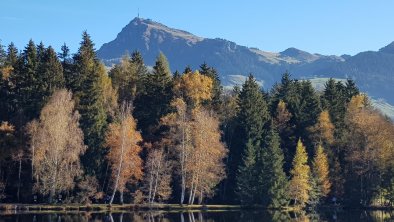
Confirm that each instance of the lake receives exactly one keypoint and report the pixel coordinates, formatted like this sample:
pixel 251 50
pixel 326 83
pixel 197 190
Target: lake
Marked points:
pixel 199 216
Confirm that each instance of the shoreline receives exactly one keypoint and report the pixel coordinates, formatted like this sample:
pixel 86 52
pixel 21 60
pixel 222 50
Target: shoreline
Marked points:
pixel 65 208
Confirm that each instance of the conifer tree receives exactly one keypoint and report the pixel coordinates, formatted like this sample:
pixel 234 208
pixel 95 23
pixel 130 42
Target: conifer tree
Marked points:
pixel 142 72
pixel 247 180
pixel 67 65
pixel 320 170
pixel 88 93
pixel 4 72
pixel 273 175
pixel 25 81
pixel 124 79
pixel 50 75
pixel 155 100
pixel 307 113
pixel 300 187
pixel 252 119
pixel 288 91
pixel 333 100
pixel 7 92
pixel 217 88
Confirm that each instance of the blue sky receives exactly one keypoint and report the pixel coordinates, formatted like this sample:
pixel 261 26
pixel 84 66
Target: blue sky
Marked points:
pixel 326 27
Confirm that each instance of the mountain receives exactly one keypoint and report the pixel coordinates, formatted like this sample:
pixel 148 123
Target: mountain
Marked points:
pixel 372 70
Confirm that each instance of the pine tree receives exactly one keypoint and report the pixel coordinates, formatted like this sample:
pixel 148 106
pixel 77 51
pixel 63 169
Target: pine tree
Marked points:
pixel 300 187
pixel 273 175
pixel 7 90
pixel 87 85
pixel 288 91
pixel 307 112
pixel 334 100
pixel 247 179
pixel 252 120
pixel 124 79
pixel 217 88
pixel 50 74
pixel 67 65
pixel 4 73
pixel 142 72
pixel 351 89
pixel 154 102
pixel 25 84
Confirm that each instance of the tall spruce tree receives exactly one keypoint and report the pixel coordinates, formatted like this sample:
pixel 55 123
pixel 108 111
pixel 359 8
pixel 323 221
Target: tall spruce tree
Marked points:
pixel 217 88
pixel 154 102
pixel 252 119
pixel 273 175
pixel 307 112
pixel 247 179
pixel 88 92
pixel 50 75
pixel 3 84
pixel 67 65
pixel 25 80
pixel 7 95
pixel 142 71
pixel 288 92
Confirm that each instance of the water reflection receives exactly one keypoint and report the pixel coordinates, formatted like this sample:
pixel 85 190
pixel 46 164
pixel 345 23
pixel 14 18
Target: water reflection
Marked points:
pixel 202 216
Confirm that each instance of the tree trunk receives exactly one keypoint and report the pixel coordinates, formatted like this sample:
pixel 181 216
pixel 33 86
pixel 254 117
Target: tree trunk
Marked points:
pixel 120 165
pixel 191 193
pixel 121 196
pixel 156 179
pixel 19 178
pixel 182 218
pixel 200 198
pixel 150 188
pixel 183 174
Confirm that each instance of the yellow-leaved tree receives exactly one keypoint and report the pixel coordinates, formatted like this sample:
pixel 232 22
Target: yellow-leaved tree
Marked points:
pixel 206 167
pixel 323 130
pixel 320 169
pixel 123 140
pixel 300 181
pixel 56 143
pixel 194 87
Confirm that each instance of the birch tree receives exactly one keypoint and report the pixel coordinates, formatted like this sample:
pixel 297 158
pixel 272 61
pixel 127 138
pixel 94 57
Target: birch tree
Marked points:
pixel 57 142
pixel 123 140
pixel 180 135
pixel 206 167
pixel 158 176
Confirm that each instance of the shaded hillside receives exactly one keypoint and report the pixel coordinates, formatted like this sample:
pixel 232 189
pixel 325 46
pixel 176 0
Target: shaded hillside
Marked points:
pixel 373 71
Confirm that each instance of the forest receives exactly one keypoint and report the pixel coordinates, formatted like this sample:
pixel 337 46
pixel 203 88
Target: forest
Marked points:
pixel 75 131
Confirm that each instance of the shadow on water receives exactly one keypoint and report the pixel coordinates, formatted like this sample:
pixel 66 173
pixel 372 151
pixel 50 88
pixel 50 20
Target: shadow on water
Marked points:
pixel 203 216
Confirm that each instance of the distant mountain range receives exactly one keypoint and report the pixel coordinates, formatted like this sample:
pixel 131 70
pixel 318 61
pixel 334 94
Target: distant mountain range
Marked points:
pixel 373 71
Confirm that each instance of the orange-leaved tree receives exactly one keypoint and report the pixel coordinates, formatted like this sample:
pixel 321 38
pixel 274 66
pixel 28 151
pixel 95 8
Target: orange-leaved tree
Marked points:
pixel 123 140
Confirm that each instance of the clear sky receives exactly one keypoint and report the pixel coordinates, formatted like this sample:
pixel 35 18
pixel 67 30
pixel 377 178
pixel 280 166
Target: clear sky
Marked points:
pixel 318 26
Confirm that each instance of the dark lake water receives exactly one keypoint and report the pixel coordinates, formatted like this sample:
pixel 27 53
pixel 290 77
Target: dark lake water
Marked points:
pixel 222 216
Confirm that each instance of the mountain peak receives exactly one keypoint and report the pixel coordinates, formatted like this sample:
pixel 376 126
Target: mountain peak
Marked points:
pixel 149 26
pixel 300 55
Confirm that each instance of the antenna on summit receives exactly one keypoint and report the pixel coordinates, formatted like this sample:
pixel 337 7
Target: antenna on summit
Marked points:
pixel 138 13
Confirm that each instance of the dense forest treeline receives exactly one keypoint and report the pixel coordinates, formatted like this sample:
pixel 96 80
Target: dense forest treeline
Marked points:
pixel 71 131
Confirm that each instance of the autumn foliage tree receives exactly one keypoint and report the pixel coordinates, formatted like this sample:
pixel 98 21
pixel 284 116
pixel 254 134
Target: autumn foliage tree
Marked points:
pixel 206 168
pixel 123 140
pixel 56 146
pixel 158 176
pixel 300 176
pixel 180 135
pixel 320 170
pixel 370 147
